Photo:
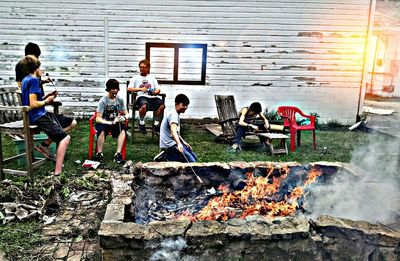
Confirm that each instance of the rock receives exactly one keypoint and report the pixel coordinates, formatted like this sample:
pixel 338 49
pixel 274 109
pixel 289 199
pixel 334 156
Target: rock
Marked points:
pixel 9 207
pixel 114 212
pixel 57 229
pixel 21 213
pixel 127 177
pixel 344 239
pixel 62 251
pixel 166 229
pixel 121 188
pixel 124 200
pixel 154 181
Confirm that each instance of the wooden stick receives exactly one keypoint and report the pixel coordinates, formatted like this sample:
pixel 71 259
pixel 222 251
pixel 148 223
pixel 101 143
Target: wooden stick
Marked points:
pixel 201 181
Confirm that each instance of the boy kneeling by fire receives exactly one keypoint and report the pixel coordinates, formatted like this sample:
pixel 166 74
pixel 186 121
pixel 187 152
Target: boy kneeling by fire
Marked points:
pixel 173 146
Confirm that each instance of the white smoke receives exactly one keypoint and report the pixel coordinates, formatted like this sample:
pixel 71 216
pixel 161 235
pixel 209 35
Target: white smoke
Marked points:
pixel 171 250
pixel 372 196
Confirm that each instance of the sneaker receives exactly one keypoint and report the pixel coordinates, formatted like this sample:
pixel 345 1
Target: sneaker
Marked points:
pixel 234 148
pixel 118 158
pixel 160 157
pixel 156 128
pixel 142 129
pixel 45 151
pixel 99 157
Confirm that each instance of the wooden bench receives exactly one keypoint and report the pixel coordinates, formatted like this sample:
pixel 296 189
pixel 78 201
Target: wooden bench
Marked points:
pixel 282 149
pixel 14 120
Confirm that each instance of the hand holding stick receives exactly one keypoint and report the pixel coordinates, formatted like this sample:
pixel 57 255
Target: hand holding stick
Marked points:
pixel 52 83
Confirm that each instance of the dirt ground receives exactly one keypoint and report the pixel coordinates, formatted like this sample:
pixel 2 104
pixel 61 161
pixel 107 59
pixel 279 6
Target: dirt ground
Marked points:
pixel 69 223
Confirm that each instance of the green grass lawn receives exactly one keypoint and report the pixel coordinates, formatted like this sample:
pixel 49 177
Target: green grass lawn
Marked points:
pixel 339 143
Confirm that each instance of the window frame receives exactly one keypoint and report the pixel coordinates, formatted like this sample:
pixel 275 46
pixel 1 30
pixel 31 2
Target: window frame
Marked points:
pixel 176 47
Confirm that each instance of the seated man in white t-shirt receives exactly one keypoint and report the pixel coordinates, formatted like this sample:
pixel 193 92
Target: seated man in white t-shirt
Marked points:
pixel 146 87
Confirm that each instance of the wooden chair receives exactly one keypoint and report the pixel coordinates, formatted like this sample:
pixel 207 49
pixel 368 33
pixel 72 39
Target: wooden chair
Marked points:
pixel 288 113
pixel 228 116
pixel 14 120
pixel 92 140
pixel 131 101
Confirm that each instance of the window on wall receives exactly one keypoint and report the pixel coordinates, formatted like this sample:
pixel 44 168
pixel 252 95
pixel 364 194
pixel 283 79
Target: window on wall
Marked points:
pixel 177 63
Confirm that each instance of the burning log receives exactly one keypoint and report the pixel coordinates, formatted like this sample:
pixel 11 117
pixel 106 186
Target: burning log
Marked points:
pixel 258 197
pixel 277 192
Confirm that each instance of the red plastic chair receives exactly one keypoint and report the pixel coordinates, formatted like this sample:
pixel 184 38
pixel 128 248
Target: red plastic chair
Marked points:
pixel 288 113
pixel 92 134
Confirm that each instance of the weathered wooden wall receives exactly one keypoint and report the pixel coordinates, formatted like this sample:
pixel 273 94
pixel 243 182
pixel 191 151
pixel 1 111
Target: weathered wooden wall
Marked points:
pixel 307 53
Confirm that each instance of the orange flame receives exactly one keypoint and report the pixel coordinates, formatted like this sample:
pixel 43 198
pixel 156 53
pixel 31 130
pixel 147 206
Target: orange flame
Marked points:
pixel 258 197
pixel 313 174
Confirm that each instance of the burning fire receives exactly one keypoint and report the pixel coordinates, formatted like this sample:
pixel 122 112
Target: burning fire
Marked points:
pixel 261 196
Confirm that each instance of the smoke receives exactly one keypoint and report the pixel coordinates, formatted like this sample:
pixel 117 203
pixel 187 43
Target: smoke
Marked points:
pixel 373 195
pixel 171 250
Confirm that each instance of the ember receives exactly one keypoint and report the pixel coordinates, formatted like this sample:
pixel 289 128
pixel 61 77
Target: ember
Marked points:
pixel 275 192
pixel 258 197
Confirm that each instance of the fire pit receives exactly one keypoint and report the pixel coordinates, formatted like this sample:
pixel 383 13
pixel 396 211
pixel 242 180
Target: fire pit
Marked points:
pixel 246 211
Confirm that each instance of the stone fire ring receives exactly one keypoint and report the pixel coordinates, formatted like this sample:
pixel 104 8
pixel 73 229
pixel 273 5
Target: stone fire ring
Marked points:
pixel 326 238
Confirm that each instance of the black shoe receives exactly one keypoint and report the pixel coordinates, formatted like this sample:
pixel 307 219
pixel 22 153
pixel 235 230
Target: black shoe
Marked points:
pixel 118 158
pixel 142 129
pixel 99 157
pixel 156 128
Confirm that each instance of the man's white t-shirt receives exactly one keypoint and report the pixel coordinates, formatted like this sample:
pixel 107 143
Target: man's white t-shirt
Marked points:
pixel 148 81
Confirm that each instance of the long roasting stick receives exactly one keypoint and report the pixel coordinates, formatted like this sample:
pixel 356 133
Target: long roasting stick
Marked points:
pixel 197 176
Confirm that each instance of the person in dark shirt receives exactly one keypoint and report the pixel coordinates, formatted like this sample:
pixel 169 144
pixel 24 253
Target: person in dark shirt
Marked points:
pixel 30 49
pixel 247 122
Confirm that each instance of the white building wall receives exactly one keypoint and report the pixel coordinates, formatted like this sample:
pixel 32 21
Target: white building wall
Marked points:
pixel 305 53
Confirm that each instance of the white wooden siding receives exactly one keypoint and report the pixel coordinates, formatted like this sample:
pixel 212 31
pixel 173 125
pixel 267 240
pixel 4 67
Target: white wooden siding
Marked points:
pixel 307 53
